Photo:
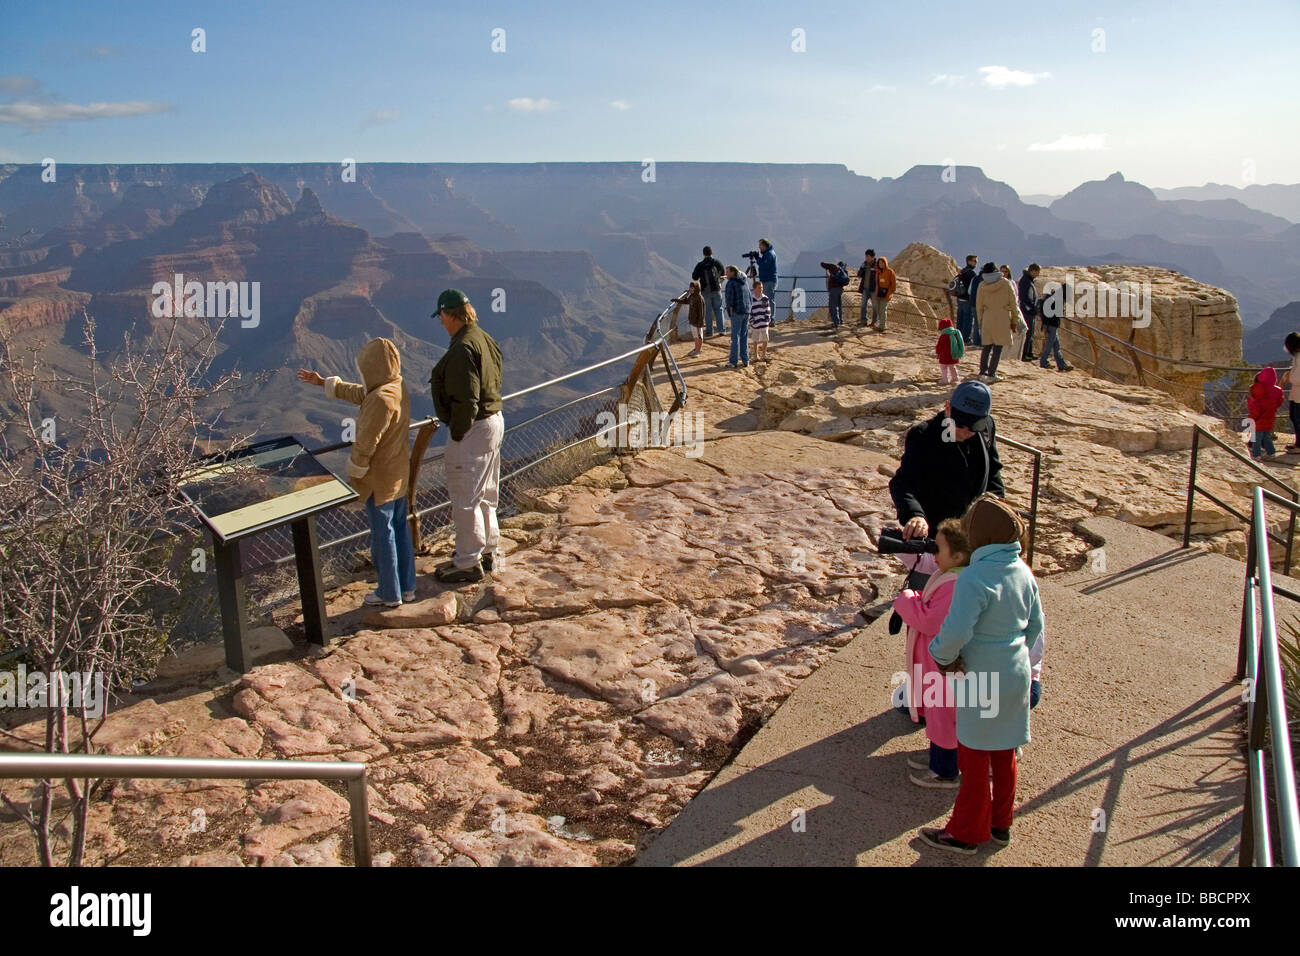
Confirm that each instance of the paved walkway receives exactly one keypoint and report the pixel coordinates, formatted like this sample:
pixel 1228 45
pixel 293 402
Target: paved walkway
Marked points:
pixel 1140 721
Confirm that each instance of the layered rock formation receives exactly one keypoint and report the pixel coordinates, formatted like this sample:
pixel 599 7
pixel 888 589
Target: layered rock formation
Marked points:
pixel 1157 310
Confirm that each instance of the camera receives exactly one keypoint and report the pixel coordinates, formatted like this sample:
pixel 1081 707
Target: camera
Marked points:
pixel 752 255
pixel 891 542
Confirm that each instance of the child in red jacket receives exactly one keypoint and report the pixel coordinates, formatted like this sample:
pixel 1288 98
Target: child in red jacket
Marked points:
pixel 1264 401
pixel 949 349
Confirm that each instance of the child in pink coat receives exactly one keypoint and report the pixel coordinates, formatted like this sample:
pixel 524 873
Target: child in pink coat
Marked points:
pixel 928 695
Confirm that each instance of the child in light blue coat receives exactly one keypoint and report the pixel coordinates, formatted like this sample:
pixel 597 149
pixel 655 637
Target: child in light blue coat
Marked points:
pixel 995 618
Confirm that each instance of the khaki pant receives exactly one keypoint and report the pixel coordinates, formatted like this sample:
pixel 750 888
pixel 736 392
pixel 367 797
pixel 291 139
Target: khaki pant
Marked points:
pixel 473 467
pixel 879 310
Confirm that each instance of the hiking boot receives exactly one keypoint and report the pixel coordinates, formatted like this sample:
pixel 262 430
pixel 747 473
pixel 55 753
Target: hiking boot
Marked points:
pixel 933 781
pixel 450 574
pixel 1067 367
pixel 487 562
pixel 408 597
pixel 942 840
pixel 1002 835
pixel 374 600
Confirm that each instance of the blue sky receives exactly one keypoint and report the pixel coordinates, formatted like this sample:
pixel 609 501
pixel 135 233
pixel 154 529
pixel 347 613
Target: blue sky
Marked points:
pixel 1170 93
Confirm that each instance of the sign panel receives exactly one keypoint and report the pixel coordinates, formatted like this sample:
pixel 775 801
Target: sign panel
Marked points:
pixel 263 485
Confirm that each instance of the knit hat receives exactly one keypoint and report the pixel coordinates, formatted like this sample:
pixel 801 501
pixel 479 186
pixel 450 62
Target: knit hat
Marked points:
pixel 989 267
pixel 992 521
pixel 945 323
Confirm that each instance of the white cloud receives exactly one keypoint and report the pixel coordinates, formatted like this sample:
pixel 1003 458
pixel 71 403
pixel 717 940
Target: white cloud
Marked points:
pixel 882 88
pixel 1065 143
pixel 33 116
pixel 390 115
pixel 1000 76
pixel 620 105
pixel 949 80
pixel 526 104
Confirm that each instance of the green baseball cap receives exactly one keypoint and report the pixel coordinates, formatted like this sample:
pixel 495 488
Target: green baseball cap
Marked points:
pixel 450 299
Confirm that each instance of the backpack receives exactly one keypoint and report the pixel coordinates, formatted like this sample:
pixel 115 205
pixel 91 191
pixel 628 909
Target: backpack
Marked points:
pixel 956 346
pixel 959 286
pixel 841 278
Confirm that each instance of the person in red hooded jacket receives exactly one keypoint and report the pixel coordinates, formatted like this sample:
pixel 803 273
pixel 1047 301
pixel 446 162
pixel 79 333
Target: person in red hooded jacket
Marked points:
pixel 950 348
pixel 1264 401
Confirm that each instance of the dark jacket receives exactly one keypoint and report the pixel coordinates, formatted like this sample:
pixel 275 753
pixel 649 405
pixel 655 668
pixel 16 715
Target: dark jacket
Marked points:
pixel 968 275
pixel 1051 307
pixel 1028 296
pixel 939 479
pixel 708 273
pixel 974 287
pixel 738 297
pixel 867 277
pixel 466 382
pixel 767 269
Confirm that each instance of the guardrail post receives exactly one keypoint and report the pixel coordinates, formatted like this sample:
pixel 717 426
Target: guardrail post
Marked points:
pixel 360 801
pixel 1191 486
pixel 1033 507
pixel 1247 605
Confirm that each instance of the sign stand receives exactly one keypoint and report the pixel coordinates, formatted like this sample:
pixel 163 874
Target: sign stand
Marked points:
pixel 265 486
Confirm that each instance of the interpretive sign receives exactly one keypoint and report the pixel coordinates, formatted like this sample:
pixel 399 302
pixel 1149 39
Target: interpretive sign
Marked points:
pixel 254 489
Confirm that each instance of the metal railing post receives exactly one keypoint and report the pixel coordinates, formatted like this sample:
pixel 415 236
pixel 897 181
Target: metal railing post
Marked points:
pixel 359 801
pixel 1191 486
pixel 1033 507
pixel 60 766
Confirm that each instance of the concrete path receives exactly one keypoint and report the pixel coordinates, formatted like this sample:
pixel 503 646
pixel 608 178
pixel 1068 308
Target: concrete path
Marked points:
pixel 1135 758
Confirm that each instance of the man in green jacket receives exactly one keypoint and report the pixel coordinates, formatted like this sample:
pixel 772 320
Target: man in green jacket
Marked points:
pixel 466 385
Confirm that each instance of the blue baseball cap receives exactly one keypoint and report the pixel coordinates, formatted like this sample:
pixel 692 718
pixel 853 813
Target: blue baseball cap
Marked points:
pixel 971 403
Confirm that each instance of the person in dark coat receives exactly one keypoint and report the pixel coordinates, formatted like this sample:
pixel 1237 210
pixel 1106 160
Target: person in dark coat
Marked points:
pixel 945 467
pixel 1028 295
pixel 708 273
pixel 976 337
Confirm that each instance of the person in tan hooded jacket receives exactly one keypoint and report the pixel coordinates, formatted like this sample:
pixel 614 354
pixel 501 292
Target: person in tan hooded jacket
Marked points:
pixel 380 464
pixel 998 311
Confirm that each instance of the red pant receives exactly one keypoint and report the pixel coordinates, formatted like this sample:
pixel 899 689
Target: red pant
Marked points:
pixel 974 814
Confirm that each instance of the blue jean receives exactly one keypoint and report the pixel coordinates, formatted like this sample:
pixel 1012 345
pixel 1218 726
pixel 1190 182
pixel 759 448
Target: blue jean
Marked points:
pixel 1052 344
pixel 943 761
pixel 769 290
pixel 390 548
pixel 739 339
pixel 965 317
pixel 1263 443
pixel 833 299
pixel 713 306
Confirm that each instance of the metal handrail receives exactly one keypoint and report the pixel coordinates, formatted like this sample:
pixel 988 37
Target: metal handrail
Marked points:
pixel 1265 708
pixel 47 766
pixel 1033 493
pixel 1193 488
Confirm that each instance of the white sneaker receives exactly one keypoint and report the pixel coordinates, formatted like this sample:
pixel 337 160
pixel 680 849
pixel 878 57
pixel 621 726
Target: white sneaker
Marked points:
pixel 408 597
pixel 919 763
pixel 374 600
pixel 933 781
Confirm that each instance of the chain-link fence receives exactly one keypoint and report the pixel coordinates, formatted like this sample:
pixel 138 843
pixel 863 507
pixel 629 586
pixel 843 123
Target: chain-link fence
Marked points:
pixel 548 448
